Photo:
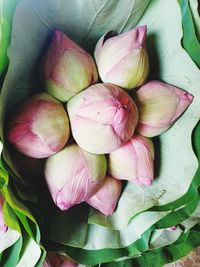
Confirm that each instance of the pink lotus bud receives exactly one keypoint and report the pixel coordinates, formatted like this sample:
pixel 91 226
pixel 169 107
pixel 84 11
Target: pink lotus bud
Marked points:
pixel 40 127
pixel 74 175
pixel 106 198
pixel 160 105
pixel 133 161
pixel 123 59
pixel 172 228
pixel 3 226
pixel 46 263
pixel 68 68
pixel 102 117
pixel 58 260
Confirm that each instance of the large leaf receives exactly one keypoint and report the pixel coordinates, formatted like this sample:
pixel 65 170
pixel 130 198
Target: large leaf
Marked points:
pixel 8 239
pixel 64 231
pixel 93 237
pixel 165 247
pixel 190 41
pixel 162 240
pixel 93 251
pixel 195 15
pixel 69 223
pixel 11 255
pixel 164 237
pixel 90 257
pixel 158 257
pixel 31 252
pixel 13 234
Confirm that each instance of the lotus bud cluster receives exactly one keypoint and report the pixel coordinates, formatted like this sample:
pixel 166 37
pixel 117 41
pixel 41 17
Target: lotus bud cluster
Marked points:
pixel 105 117
pixel 3 226
pixel 68 69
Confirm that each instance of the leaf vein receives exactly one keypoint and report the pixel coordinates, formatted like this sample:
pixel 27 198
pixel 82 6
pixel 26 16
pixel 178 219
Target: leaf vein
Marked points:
pixel 95 17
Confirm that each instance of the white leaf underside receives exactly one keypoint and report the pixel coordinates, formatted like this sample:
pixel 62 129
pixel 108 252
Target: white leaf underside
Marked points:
pixel 163 18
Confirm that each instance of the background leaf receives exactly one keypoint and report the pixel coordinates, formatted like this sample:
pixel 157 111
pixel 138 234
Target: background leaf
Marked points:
pixel 7 8
pixel 11 255
pixel 194 6
pixel 190 41
pixel 30 254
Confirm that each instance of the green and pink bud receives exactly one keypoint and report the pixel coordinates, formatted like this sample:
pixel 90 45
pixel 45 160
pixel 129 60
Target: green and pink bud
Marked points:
pixel 172 228
pixel 160 105
pixel 3 226
pixel 54 259
pixel 106 198
pixel 74 175
pixel 68 69
pixel 40 127
pixel 102 117
pixel 123 59
pixel 133 161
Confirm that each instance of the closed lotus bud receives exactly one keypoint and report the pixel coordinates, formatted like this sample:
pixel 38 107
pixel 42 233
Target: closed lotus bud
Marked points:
pixel 160 105
pixel 123 59
pixel 3 226
pixel 40 127
pixel 133 161
pixel 102 117
pixel 106 198
pixel 58 260
pixel 46 263
pixel 67 68
pixel 74 175
pixel 172 228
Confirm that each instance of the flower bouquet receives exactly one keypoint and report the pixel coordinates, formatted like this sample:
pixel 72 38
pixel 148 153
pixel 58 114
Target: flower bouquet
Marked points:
pixel 99 128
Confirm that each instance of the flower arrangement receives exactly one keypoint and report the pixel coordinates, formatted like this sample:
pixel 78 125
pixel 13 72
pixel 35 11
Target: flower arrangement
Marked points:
pixel 84 174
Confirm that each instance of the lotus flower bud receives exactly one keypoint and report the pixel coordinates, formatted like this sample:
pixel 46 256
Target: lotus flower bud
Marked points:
pixel 123 59
pixel 68 68
pixel 3 226
pixel 46 263
pixel 133 161
pixel 74 175
pixel 58 260
pixel 172 228
pixel 106 198
pixel 160 105
pixel 40 127
pixel 102 117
